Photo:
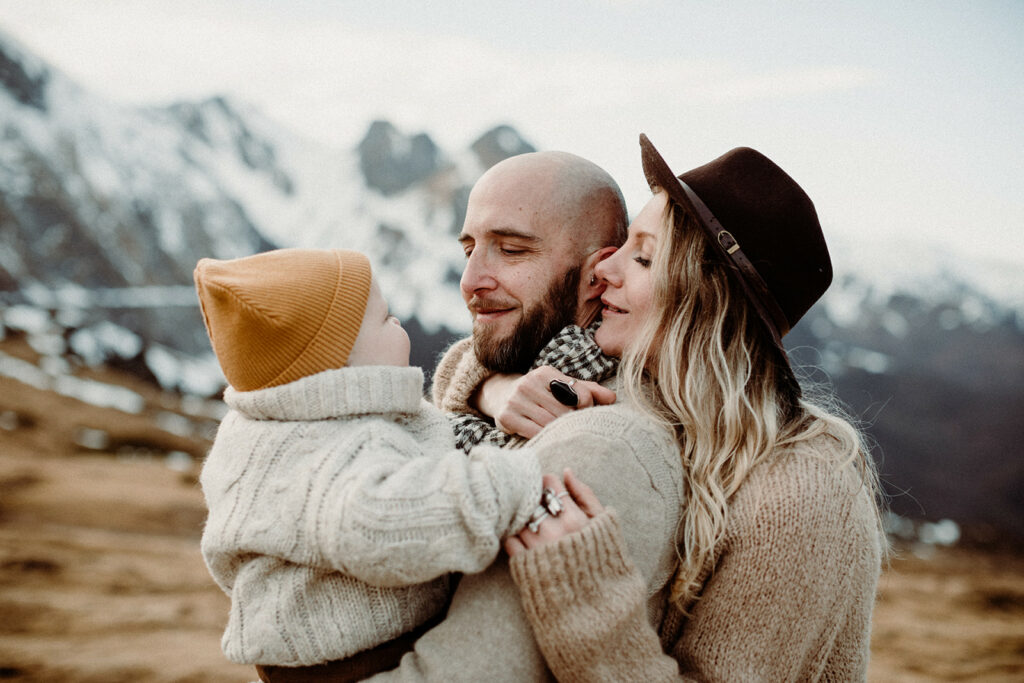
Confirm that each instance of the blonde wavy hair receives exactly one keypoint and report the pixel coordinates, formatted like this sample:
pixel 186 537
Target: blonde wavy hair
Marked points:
pixel 723 388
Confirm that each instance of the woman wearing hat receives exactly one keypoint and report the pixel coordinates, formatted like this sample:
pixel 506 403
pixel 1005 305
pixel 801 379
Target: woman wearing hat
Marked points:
pixel 780 543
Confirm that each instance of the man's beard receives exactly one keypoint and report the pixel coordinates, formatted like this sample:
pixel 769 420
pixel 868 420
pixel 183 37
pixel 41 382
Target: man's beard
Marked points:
pixel 516 352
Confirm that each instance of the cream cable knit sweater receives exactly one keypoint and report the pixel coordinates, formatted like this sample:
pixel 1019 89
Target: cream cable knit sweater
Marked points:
pixel 337 504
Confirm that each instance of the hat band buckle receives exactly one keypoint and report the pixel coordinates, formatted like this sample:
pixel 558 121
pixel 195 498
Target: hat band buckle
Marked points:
pixel 753 284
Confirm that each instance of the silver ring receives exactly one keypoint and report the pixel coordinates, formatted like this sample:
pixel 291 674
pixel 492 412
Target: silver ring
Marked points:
pixel 550 502
pixel 538 516
pixel 563 494
pixel 550 506
pixel 571 382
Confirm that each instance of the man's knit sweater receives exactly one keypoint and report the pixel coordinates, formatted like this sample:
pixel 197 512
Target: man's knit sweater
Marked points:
pixel 338 504
pixel 629 460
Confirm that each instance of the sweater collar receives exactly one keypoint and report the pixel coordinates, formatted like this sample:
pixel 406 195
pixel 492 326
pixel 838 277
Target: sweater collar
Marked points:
pixel 344 392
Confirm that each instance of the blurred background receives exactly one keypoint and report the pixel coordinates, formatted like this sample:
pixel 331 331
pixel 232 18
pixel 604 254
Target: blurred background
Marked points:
pixel 137 137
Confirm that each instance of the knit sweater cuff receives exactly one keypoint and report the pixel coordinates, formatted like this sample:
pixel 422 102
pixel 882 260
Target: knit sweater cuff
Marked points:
pixel 457 376
pixel 586 602
pixel 574 566
pixel 517 481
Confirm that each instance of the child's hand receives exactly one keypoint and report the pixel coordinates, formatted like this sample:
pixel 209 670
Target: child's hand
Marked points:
pixel 579 504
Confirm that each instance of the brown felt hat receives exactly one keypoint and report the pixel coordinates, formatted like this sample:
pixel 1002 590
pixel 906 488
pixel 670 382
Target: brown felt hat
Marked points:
pixel 282 315
pixel 760 222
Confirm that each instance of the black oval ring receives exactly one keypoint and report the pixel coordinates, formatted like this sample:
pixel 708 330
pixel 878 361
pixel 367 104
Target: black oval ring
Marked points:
pixel 564 393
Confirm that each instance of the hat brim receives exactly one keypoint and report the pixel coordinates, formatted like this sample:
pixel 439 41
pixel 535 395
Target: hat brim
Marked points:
pixel 660 176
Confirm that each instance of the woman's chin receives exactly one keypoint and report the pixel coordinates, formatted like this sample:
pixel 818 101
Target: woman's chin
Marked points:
pixel 610 343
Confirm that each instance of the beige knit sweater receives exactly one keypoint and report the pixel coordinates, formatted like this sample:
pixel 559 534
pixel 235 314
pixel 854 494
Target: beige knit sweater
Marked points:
pixel 630 461
pixel 789 597
pixel 338 504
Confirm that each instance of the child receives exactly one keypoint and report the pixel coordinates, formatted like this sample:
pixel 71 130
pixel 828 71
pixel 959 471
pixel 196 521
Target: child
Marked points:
pixel 337 500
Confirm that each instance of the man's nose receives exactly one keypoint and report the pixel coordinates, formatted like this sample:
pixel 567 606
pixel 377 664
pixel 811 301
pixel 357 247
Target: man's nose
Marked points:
pixel 477 275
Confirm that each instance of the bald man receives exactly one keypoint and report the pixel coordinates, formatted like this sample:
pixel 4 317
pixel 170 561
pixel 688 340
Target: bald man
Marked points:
pixel 536 225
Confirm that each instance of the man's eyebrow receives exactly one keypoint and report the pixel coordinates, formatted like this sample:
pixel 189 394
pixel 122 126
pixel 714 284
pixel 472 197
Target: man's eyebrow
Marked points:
pixel 503 232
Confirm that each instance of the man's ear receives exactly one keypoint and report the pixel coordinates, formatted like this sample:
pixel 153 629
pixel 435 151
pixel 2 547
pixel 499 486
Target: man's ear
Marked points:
pixel 592 286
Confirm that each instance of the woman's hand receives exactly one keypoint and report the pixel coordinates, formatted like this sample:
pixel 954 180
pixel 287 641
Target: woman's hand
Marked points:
pixel 579 504
pixel 493 393
pixel 524 404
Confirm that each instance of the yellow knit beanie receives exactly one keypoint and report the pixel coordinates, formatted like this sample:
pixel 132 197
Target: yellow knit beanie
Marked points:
pixel 282 315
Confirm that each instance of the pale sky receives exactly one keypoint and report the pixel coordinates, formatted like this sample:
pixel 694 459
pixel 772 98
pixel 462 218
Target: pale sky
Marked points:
pixel 901 120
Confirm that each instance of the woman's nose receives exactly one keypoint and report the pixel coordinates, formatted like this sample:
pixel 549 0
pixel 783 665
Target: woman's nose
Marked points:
pixel 607 270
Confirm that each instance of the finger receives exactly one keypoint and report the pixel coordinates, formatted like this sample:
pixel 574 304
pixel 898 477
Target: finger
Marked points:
pixel 537 393
pixel 553 527
pixel 570 509
pixel 542 411
pixel 552 481
pixel 582 494
pixel 572 516
pixel 592 393
pixel 603 396
pixel 513 423
pixel 529 402
pixel 513 546
pixel 530 407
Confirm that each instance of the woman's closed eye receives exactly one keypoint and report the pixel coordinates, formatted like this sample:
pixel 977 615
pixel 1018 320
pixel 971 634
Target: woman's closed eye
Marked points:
pixel 643 261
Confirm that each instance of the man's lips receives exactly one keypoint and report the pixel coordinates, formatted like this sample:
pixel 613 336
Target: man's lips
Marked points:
pixel 484 315
pixel 486 312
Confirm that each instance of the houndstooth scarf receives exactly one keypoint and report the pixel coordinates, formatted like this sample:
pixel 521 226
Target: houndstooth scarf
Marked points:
pixel 572 351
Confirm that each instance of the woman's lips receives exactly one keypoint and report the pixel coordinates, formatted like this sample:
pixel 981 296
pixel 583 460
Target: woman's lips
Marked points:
pixel 609 308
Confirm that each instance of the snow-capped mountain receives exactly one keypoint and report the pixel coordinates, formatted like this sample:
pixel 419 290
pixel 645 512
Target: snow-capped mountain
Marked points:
pixel 105 209
pixel 100 200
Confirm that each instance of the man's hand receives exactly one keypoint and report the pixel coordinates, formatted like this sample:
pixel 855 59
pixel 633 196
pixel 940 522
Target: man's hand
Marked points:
pixel 524 404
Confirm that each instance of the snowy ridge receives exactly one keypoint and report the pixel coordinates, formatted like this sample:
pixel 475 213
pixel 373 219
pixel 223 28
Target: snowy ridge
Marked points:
pixel 408 236
pixel 112 206
pixel 985 287
pixel 157 188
